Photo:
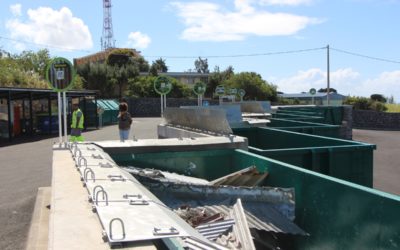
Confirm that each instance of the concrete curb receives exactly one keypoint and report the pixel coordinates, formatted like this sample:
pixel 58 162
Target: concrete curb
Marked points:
pixel 39 228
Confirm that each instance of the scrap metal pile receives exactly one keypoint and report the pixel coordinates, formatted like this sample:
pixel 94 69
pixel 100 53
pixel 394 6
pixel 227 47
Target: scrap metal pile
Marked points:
pixel 232 210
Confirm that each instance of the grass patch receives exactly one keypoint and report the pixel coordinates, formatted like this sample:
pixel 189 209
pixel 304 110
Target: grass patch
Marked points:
pixel 393 108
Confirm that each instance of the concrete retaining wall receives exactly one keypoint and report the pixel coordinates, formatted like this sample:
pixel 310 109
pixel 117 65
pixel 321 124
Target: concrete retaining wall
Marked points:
pixel 368 119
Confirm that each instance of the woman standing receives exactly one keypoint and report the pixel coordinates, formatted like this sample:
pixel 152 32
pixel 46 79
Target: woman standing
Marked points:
pixel 124 121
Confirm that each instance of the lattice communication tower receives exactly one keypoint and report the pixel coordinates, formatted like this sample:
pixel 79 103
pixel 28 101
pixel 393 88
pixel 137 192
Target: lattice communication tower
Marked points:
pixel 107 40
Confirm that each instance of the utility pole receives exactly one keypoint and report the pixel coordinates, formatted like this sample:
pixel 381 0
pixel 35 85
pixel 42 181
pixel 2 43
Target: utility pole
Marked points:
pixel 327 75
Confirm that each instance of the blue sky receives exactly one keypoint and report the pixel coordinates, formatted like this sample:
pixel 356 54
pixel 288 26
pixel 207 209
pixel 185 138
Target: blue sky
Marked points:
pixel 228 28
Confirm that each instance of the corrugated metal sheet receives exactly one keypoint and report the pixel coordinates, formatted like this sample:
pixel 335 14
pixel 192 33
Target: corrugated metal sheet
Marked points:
pixel 241 228
pixel 247 177
pixel 213 230
pixel 196 244
pixel 271 220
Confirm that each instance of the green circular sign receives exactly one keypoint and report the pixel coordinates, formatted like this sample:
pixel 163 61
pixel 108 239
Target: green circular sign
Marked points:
pixel 220 90
pixel 241 92
pixel 60 74
pixel 233 91
pixel 199 88
pixel 162 85
pixel 313 91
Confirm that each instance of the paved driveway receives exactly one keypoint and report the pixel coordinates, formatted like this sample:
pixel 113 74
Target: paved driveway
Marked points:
pixel 386 157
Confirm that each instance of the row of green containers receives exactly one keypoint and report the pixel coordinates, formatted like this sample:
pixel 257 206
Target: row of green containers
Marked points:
pixel 319 114
pixel 306 127
pixel 337 214
pixel 344 159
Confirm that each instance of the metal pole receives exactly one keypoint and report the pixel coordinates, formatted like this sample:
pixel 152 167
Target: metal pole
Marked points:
pixel 30 113
pixel 165 101
pixel 65 116
pixel 10 127
pixel 49 112
pixel 162 104
pixel 328 76
pixel 59 118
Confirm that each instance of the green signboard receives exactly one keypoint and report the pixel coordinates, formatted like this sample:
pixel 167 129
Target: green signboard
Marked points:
pixel 162 85
pixel 241 92
pixel 313 91
pixel 199 88
pixel 233 91
pixel 220 90
pixel 60 74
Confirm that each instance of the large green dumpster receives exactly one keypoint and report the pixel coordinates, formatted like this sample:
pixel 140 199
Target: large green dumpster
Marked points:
pixel 347 160
pixel 110 111
pixel 306 127
pixel 332 114
pixel 295 117
pixel 337 214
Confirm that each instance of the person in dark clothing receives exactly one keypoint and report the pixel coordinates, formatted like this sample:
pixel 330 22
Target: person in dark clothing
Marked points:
pixel 124 121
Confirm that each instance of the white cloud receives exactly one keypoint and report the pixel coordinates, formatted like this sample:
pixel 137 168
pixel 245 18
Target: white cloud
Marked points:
pixel 138 40
pixel 16 9
pixel 58 28
pixel 387 83
pixel 206 21
pixel 346 81
pixel 285 2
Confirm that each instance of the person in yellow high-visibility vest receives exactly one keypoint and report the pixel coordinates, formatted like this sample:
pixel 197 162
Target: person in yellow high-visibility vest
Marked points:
pixel 76 124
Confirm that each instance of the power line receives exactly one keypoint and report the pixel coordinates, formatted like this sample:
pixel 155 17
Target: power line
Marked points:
pixel 365 56
pixel 43 45
pixel 241 55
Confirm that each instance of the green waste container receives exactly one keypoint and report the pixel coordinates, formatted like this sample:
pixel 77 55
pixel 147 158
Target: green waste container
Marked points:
pixel 295 117
pixel 337 214
pixel 347 160
pixel 306 127
pixel 111 109
pixel 331 114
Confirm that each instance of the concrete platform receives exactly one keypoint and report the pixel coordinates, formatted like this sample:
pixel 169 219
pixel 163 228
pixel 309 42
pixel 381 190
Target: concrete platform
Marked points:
pixel 72 223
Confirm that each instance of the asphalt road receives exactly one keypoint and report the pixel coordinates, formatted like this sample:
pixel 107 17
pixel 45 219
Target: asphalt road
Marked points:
pixel 386 157
pixel 27 166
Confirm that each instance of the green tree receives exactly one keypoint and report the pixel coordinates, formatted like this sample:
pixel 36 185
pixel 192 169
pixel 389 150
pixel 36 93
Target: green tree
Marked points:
pixel 157 66
pixel 254 85
pixel 364 103
pixel 324 90
pixel 378 97
pixel 34 62
pixel 143 87
pixel 216 78
pixel 201 65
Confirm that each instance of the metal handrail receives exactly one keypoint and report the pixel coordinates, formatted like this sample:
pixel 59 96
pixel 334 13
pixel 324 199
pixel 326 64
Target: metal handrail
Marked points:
pixel 85 173
pixel 94 191
pixel 76 151
pixel 105 196
pixel 122 225
pixel 84 160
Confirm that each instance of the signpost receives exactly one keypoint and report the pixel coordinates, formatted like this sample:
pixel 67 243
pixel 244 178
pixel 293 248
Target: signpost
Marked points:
pixel 220 91
pixel 313 92
pixel 162 86
pixel 241 93
pixel 199 89
pixel 60 75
